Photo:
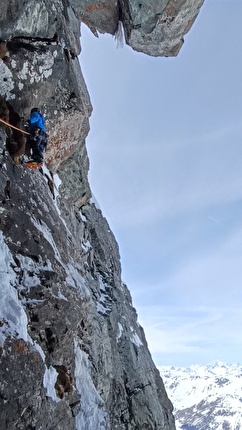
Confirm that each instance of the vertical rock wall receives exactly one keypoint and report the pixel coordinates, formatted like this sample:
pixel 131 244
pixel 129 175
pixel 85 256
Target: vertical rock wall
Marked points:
pixel 72 354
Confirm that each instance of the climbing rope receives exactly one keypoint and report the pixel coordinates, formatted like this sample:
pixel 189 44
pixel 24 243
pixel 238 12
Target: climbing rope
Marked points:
pixel 15 128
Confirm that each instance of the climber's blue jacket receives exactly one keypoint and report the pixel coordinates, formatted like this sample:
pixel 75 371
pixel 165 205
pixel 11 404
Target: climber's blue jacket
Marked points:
pixel 36 120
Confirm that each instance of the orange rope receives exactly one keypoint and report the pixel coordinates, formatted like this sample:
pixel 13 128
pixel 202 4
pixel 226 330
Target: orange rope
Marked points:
pixel 15 128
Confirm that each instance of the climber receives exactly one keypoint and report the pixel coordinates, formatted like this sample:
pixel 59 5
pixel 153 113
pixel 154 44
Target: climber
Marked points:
pixel 37 140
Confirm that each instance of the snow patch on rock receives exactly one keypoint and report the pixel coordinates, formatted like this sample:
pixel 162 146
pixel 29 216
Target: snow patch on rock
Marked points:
pixel 49 381
pixel 92 414
pixel 13 317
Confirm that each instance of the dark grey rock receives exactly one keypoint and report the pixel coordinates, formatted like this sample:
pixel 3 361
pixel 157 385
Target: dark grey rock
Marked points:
pixel 68 284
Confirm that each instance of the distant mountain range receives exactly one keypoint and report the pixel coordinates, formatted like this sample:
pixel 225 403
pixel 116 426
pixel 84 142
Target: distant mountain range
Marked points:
pixel 205 397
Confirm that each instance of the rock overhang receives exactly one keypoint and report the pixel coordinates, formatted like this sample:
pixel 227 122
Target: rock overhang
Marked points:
pixel 154 27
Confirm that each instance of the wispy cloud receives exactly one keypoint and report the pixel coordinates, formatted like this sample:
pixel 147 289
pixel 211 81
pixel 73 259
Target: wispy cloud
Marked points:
pixel 211 275
pixel 195 312
pixel 218 222
pixel 168 180
pixel 191 331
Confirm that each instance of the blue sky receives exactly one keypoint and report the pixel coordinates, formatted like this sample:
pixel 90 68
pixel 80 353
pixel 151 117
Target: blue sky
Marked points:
pixel 165 150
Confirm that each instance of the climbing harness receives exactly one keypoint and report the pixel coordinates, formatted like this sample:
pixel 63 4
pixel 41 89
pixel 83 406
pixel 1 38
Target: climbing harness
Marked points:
pixel 15 128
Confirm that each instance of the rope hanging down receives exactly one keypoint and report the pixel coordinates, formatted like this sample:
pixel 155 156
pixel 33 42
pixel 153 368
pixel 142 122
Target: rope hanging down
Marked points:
pixel 15 128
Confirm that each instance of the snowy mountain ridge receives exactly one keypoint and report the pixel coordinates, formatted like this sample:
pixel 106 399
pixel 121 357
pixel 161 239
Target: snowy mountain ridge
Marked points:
pixel 205 397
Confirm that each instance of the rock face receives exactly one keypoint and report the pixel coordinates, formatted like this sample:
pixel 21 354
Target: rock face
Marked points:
pixel 72 354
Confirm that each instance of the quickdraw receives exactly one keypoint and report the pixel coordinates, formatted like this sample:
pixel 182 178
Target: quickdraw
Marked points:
pixel 15 128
